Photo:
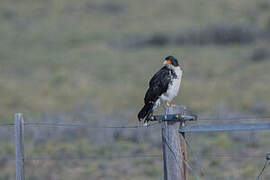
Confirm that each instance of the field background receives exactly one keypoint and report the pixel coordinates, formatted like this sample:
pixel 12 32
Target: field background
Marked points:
pixel 89 61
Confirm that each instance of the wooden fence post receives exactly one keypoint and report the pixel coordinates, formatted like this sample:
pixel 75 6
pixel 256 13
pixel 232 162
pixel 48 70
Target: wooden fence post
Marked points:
pixel 174 167
pixel 19 147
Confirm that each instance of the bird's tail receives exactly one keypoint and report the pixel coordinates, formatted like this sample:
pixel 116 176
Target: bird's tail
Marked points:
pixel 145 111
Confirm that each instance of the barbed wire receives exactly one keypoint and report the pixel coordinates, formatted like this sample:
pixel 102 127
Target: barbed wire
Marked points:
pixel 86 125
pixel 264 167
pixel 195 155
pixel 196 159
pixel 232 156
pixel 242 118
pixel 8 124
pixel 66 158
pixel 147 155
pixel 226 156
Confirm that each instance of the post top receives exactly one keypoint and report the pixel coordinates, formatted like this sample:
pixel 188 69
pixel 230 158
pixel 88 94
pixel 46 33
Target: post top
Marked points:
pixel 18 115
pixel 176 113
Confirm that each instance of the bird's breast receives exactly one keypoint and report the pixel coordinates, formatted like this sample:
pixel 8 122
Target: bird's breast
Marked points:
pixel 173 87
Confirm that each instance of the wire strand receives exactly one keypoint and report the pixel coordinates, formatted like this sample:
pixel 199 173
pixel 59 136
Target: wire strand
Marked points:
pixel 6 125
pixel 128 156
pixel 86 125
pixel 66 158
pixel 243 118
pixel 264 167
pixel 234 156
pixel 196 159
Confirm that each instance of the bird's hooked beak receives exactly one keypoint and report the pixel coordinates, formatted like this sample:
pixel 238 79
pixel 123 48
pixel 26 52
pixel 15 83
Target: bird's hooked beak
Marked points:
pixel 167 61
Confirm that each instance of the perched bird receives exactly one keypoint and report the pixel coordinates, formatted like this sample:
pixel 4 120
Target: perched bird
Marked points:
pixel 163 87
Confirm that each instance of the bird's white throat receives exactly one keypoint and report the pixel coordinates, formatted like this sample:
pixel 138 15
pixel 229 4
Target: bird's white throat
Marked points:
pixel 173 86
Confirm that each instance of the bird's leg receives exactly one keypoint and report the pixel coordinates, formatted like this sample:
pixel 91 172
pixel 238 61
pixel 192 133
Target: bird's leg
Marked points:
pixel 167 104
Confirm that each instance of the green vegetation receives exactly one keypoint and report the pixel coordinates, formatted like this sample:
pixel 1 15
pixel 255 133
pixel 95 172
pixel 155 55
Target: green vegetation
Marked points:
pixel 71 58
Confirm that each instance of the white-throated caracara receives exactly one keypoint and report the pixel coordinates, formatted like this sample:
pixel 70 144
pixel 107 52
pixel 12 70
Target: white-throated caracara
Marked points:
pixel 163 87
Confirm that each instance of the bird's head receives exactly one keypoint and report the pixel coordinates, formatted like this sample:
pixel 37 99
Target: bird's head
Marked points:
pixel 171 61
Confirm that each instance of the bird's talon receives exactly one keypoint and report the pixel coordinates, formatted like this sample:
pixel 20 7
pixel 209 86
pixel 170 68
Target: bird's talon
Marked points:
pixel 146 124
pixel 167 104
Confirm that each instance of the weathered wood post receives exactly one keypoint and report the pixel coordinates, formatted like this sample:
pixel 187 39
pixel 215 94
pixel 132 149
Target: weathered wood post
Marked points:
pixel 173 146
pixel 19 147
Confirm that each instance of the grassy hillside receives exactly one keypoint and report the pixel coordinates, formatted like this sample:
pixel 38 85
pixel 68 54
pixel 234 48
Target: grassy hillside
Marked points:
pixel 62 59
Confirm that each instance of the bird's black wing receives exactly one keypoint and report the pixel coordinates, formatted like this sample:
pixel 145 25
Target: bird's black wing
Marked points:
pixel 158 85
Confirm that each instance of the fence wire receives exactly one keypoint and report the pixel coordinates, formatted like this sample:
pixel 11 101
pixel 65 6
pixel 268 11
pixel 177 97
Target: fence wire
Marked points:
pixel 201 155
pixel 203 172
pixel 157 156
pixel 84 125
pixel 67 158
pixel 267 163
pixel 5 125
